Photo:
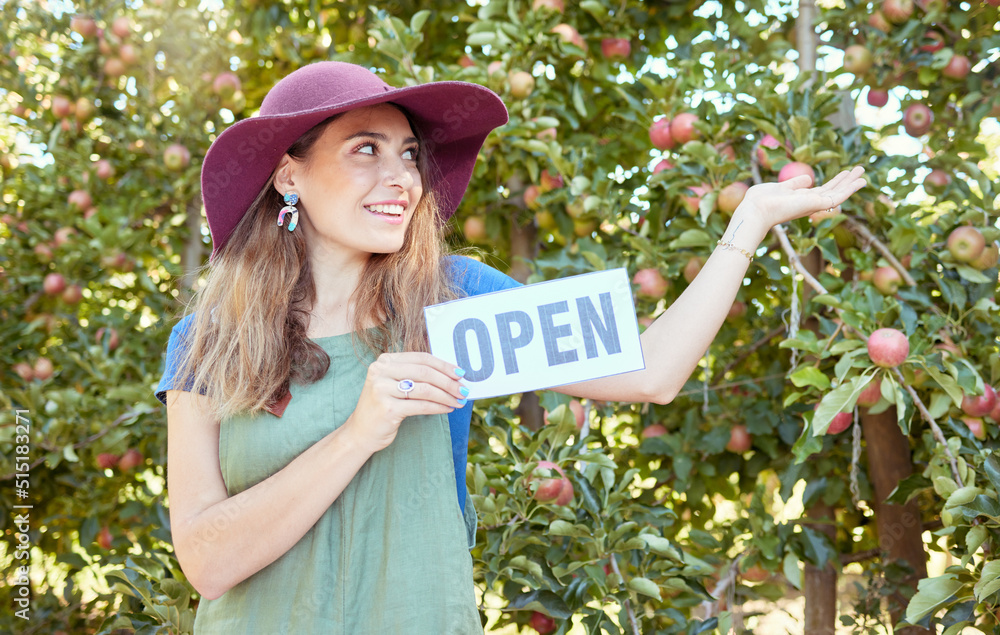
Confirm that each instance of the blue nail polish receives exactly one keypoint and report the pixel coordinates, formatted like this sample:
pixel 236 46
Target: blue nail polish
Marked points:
pixel 464 391
pixel 462 402
pixel 460 372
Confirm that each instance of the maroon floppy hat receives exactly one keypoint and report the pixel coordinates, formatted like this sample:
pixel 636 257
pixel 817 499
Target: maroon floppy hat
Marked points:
pixel 452 120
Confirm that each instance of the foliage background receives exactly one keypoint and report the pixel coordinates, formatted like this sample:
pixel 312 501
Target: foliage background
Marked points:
pixel 656 523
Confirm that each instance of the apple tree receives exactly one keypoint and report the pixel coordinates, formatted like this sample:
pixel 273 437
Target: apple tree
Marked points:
pixel 844 414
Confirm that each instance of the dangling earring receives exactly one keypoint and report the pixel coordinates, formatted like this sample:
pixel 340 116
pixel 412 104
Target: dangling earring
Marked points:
pixel 290 200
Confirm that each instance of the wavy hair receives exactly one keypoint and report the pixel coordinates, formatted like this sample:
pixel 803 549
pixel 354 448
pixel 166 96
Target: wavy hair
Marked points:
pixel 247 341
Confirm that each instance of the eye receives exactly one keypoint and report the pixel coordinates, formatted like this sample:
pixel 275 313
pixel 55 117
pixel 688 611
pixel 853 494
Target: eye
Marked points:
pixel 411 153
pixel 368 147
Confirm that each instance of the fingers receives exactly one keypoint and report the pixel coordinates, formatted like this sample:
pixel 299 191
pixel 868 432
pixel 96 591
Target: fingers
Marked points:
pixel 433 379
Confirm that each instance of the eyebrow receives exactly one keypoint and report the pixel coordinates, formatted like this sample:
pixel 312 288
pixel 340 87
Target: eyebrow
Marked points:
pixel 378 135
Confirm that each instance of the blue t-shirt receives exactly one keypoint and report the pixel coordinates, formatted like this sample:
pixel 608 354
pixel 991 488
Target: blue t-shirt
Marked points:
pixel 469 276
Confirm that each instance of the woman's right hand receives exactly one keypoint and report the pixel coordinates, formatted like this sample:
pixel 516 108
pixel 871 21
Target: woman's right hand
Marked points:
pixel 383 405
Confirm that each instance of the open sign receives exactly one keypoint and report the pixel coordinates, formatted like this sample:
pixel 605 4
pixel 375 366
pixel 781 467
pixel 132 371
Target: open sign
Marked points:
pixel 541 335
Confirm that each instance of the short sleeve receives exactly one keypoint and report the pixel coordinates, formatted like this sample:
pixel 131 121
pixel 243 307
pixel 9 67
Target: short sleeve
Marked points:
pixel 176 347
pixel 472 277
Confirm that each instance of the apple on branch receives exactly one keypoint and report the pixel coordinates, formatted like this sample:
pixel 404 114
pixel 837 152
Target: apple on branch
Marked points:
pixel 888 347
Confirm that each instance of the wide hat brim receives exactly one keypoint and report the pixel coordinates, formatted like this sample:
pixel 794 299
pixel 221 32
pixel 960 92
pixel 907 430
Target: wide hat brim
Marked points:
pixel 452 120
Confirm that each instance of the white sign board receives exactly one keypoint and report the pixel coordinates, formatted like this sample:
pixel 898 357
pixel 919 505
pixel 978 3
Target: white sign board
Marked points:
pixel 541 335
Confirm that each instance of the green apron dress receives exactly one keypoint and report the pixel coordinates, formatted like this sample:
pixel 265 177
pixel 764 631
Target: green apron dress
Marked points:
pixel 390 554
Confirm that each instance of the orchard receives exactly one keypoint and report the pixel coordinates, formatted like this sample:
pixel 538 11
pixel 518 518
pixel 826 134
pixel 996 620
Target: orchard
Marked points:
pixel 835 453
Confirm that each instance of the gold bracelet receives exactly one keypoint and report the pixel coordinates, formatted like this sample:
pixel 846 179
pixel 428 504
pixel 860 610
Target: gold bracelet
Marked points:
pixel 733 247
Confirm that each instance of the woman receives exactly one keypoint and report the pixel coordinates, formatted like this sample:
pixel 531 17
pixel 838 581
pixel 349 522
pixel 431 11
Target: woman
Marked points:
pixel 300 499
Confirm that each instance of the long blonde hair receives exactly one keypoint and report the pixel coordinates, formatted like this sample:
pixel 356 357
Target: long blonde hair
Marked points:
pixel 247 342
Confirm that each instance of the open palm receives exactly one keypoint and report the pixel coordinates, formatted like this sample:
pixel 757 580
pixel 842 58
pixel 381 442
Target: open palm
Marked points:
pixel 781 202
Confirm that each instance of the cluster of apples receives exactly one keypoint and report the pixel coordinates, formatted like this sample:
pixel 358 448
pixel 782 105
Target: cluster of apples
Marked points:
pixel 113 43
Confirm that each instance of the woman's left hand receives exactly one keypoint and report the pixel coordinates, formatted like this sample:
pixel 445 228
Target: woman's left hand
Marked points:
pixel 775 203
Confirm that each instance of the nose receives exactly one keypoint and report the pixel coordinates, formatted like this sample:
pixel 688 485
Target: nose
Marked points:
pixel 398 173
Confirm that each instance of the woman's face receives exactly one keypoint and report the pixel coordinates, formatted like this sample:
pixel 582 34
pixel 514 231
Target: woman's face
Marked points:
pixel 359 185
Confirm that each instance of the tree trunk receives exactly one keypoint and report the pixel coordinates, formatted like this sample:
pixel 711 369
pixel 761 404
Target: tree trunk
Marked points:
pixel 192 249
pixel 899 526
pixel 820 584
pixel 523 248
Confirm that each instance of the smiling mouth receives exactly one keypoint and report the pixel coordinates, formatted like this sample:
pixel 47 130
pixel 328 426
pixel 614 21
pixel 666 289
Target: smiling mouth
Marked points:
pixel 386 210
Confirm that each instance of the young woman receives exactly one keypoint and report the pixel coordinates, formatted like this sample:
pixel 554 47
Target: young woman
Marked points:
pixel 313 474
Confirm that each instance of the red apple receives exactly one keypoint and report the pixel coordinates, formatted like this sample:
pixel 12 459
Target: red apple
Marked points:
pixel 878 97
pixel 63 236
pixel 541 623
pixel 897 11
pixel 73 294
pixel 857 59
pixel 995 413
pixel 731 196
pixel 103 169
pixel 958 67
pixel 614 48
pixel 521 84
pixel 566 495
pixel 107 461
pixel 737 311
pixel 569 35
pixel 966 243
pixel 474 229
pixel 494 68
pixel 531 194
pixel 662 165
pixel 61 107
pixel 130 460
pixel 176 157
pixel 934 42
pixel 84 25
pixel 114 67
pixel 128 54
pixel 977 426
pixel 917 120
pixel 84 109
pixel 682 128
pixel 80 199
pixel 887 280
pixel 888 347
pixel 767 142
pixel 121 27
pixel 980 405
pixel 651 283
pixel 104 538
pixel 112 337
pixel 988 258
pixel 555 5
pixel 548 181
pixel 466 62
pixel 793 169
pixel 739 439
pixel 841 421
pixel 226 84
pixel 43 368
pixel 692 267
pixel 654 430
pixel 692 203
pixel 877 21
pixel 54 284
pixel 659 134
pixel 24 371
pixel 936 181
pixel 871 394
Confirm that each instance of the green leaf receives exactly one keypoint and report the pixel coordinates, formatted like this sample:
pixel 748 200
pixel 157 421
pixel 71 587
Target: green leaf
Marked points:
pixel 932 594
pixel 644 586
pixel 810 376
pixel 793 573
pixel 946 382
pixel 691 238
pixel 972 275
pixel 841 399
pixel 992 468
pixel 989 580
pixel 661 546
pixel 544 601
pixel 418 20
pixel 975 539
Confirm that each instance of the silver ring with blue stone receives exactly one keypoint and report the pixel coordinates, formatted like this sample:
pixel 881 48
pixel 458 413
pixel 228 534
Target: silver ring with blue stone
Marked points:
pixel 405 386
